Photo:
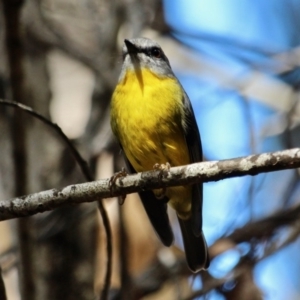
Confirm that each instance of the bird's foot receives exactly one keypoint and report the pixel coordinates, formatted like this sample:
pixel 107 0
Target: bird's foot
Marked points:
pixel 112 182
pixel 163 172
pixel 163 168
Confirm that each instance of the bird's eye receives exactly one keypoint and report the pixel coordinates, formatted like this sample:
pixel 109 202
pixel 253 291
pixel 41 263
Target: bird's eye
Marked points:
pixel 155 52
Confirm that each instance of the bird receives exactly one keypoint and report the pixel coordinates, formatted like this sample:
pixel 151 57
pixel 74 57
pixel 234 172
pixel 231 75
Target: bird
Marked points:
pixel 153 120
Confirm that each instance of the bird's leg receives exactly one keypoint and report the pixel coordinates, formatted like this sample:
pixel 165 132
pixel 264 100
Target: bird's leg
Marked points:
pixel 163 172
pixel 112 182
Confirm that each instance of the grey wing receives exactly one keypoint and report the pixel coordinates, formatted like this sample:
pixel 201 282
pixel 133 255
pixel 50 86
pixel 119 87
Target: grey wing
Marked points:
pixel 193 141
pixel 156 211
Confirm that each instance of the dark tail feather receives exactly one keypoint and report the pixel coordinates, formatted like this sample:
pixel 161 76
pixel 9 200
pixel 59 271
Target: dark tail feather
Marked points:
pixel 196 251
pixel 157 213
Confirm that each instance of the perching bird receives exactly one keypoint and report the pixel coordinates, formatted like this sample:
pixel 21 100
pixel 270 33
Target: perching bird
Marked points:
pixel 153 120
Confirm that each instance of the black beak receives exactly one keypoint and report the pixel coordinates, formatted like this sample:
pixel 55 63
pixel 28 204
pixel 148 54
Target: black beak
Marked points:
pixel 131 47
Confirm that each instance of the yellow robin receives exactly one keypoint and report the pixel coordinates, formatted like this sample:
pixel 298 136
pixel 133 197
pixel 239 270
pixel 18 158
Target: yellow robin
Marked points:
pixel 153 120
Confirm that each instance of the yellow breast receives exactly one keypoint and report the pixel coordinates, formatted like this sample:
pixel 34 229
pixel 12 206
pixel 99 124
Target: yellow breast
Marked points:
pixel 146 115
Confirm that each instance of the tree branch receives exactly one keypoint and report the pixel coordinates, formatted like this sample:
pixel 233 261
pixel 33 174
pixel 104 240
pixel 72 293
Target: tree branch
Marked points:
pixel 86 172
pixel 81 162
pixel 183 175
pixel 161 274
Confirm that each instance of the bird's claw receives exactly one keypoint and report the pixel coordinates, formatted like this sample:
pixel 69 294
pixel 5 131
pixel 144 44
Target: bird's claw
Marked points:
pixel 163 168
pixel 112 182
pixel 163 172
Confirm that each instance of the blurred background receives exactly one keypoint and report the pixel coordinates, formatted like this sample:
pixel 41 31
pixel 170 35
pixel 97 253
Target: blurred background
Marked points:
pixel 238 61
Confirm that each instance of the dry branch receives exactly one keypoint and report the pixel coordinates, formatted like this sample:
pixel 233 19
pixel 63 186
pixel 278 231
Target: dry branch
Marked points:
pixel 86 172
pixel 248 232
pixel 183 175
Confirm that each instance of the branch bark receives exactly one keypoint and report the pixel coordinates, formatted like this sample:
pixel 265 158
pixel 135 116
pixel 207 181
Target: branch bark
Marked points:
pixel 183 175
pixel 85 170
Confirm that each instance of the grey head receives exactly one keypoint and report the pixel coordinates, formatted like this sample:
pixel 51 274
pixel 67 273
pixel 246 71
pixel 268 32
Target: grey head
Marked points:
pixel 141 53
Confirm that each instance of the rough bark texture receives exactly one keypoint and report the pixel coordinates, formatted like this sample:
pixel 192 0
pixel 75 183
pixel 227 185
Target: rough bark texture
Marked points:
pixel 183 175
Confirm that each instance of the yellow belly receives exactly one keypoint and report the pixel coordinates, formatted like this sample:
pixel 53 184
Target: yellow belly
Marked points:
pixel 146 116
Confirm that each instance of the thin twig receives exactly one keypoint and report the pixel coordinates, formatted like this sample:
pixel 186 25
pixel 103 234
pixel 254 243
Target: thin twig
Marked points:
pixel 265 227
pixel 105 219
pixel 86 171
pixel 124 254
pixel 211 283
pixel 81 162
pixel 279 220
